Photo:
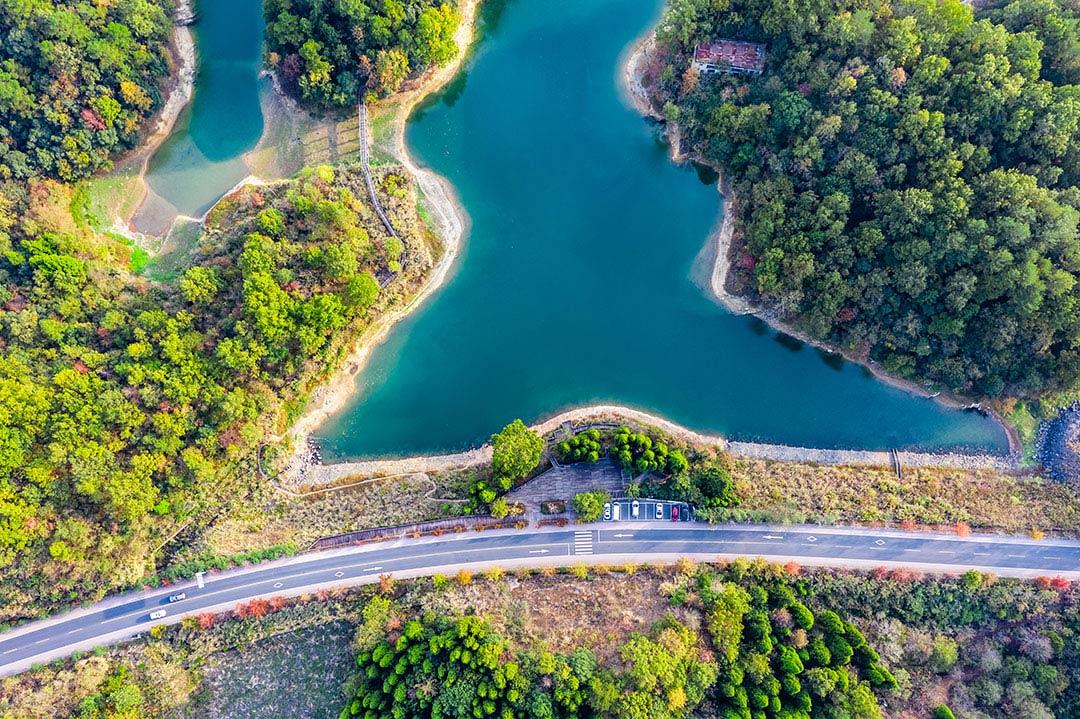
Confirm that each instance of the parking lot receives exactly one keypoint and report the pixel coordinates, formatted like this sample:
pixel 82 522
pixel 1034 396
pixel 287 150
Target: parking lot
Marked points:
pixel 654 510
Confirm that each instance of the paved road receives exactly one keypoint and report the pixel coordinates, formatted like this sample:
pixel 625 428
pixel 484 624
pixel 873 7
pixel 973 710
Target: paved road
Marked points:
pixel 127 615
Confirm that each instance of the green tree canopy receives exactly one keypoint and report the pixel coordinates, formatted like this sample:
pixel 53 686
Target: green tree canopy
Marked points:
pixel 906 175
pixel 329 53
pixel 516 450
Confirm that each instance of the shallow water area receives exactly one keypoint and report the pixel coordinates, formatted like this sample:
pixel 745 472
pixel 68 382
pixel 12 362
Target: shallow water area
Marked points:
pixel 202 158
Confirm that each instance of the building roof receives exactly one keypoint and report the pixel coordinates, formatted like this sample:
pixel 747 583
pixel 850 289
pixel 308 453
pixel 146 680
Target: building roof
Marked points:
pixel 736 53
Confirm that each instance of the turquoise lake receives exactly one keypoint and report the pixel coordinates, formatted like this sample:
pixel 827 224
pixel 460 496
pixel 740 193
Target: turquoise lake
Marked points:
pixel 201 160
pixel 574 284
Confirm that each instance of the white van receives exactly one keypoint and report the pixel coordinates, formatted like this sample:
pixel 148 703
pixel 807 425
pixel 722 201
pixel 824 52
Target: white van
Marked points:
pixel 158 614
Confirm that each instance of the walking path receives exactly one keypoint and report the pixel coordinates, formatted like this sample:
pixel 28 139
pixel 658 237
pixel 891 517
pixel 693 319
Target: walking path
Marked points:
pixel 365 162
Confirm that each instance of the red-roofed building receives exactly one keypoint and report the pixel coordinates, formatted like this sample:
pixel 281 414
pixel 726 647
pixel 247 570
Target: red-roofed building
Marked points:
pixel 731 56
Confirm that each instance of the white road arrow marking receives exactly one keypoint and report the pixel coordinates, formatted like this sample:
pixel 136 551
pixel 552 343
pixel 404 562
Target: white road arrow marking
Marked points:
pixel 773 536
pixel 622 535
pixel 371 569
pixel 538 551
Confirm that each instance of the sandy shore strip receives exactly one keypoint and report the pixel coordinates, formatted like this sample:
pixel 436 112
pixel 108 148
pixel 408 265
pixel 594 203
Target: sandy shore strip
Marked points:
pixel 451 224
pixel 178 97
pixel 184 42
pixel 327 474
pixel 719 245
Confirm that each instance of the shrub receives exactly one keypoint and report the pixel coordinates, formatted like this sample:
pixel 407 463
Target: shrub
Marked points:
pixel 943 712
pixel 944 654
pixel 582 447
pixel 500 508
pixel 589 506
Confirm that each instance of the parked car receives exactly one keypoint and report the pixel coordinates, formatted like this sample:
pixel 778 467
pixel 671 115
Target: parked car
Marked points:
pixel 684 513
pixel 177 597
pixel 674 513
pixel 659 510
pixel 607 512
pixel 158 614
pixel 616 510
pixel 635 508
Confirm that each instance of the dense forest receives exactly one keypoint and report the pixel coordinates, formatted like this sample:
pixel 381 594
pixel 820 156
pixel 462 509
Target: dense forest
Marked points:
pixel 767 656
pixel 330 53
pixel 77 78
pixel 905 176
pixel 126 407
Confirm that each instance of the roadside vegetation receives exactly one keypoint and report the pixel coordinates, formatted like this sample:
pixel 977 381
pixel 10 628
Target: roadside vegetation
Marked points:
pixel 270 518
pixel 905 176
pixel 719 640
pixel 722 487
pixel 132 409
pixel 725 487
pixel 330 54
pixel 982 499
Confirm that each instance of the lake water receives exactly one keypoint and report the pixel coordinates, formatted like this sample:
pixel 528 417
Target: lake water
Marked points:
pixel 574 286
pixel 201 160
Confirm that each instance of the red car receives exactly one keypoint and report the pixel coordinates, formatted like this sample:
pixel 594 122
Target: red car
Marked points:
pixel 674 513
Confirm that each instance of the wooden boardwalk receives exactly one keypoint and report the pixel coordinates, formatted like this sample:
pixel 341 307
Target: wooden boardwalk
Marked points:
pixel 365 161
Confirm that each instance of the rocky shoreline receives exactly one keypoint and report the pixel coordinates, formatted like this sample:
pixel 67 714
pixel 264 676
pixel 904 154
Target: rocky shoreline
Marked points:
pixel 1058 445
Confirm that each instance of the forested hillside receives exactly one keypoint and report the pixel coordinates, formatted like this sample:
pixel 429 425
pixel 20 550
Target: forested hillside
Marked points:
pixel 127 407
pixel 330 53
pixel 77 78
pixel 766 656
pixel 905 176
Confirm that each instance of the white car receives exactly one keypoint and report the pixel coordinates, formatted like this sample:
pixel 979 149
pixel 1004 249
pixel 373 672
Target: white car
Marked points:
pixel 158 614
pixel 659 510
pixel 177 597
pixel 607 512
pixel 616 511
pixel 635 508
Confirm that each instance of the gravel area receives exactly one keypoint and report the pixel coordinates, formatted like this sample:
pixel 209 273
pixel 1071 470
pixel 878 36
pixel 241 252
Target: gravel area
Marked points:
pixel 783 453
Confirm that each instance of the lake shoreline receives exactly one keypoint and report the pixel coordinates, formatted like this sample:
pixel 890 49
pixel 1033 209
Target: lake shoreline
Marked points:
pixel 451 223
pixel 322 475
pixel 179 90
pixel 721 243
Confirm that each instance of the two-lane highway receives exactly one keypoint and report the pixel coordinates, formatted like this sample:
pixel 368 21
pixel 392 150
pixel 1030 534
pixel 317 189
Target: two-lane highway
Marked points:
pixel 127 615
